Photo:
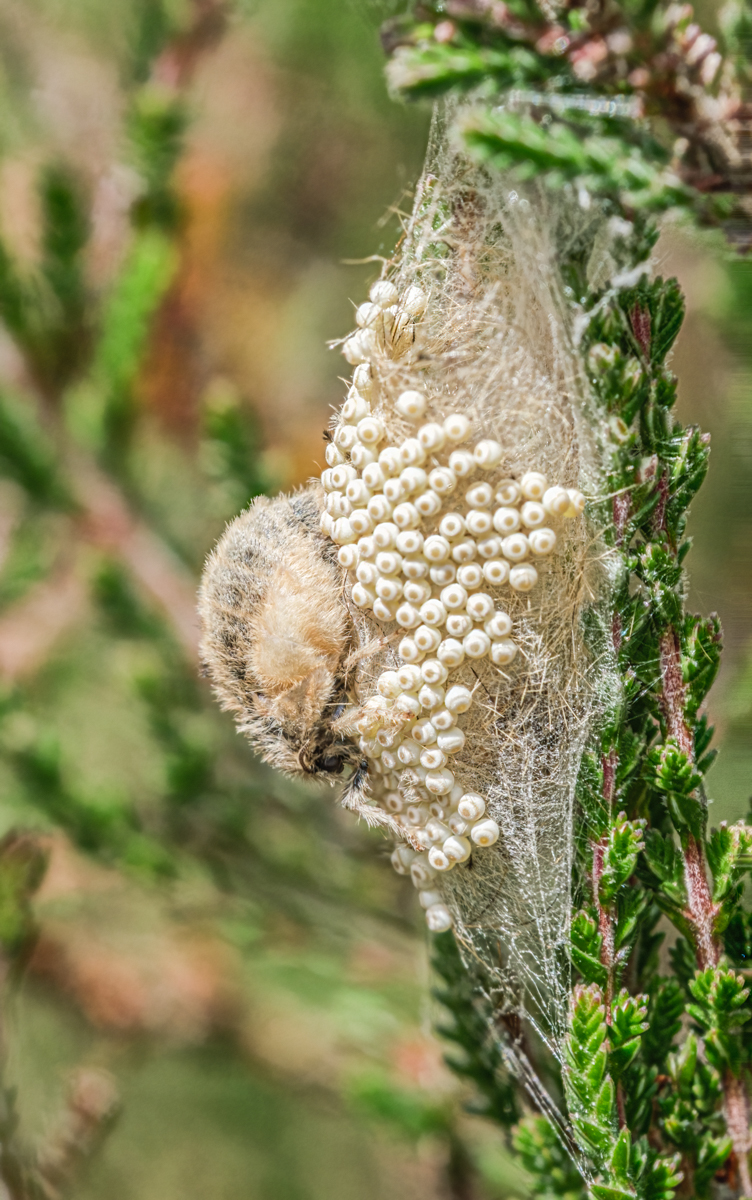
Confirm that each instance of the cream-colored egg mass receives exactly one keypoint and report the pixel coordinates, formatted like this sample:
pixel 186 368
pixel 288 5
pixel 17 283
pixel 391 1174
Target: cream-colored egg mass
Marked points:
pixel 431 531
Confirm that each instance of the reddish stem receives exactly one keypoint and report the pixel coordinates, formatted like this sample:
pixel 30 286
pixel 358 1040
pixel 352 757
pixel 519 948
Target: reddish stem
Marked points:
pixel 605 926
pixel 736 1112
pixel 701 909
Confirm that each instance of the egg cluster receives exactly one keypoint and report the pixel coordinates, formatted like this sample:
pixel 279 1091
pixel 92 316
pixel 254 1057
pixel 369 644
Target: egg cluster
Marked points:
pixel 429 530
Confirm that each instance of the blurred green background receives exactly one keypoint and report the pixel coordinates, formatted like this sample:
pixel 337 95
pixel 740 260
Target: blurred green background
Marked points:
pixel 179 221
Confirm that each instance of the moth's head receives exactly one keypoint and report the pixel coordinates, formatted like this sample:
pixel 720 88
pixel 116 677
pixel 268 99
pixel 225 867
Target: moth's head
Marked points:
pixel 276 633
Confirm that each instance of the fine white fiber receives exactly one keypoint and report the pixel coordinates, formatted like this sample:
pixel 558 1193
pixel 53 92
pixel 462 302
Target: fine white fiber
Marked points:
pixel 469 332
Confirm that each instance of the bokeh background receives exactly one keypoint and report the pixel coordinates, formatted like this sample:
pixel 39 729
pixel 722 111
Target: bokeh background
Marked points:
pixel 231 947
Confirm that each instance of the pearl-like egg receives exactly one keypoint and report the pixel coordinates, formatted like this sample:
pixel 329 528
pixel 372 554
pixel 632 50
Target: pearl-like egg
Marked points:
pixel 345 436
pixel 523 577
pixel 533 485
pixel 479 606
pixel 424 732
pixel 366 572
pixel 414 301
pixel 457 849
pixel 431 695
pixel 440 862
pixel 416 591
pixel 461 463
pixel 439 782
pixel 433 671
pixel 464 551
pixel 459 699
pixel 490 548
pixel 432 437
pixel 412 453
pixel 363 596
pixel 389 685
pixel 411 405
pixel 388 562
pixel 457 427
pixel 451 741
pixel 367 314
pixel 361 521
pixel 443 481
pixel 577 501
pixel 413 479
pixel 421 871
pixel 433 612
pixel 374 476
pixel 454 597
pixel 556 501
pixel 427 639
pixel 379 509
pixel 362 456
pixel 389 589
pixel 479 522
pixel 506 521
pixel 485 832
pixel 383 293
pixel 516 547
pixel 443 575
pixel 542 541
pixel 438 918
pixel 394 490
pixel 433 758
pixel 385 535
pixel 533 514
pixel 496 572
pixel 479 496
pixel 409 541
pixel 503 652
pixel 471 807
pixel 499 625
pixel 408 651
pixel 408 752
pixel 507 492
pixel 414 566
pixel 487 454
pixel 390 460
pixel 343 532
pixel 362 378
pixel 436 549
pixel 383 611
pixel 341 476
pixel 409 678
pixel 458 624
pixel 452 525
pixel 428 503
pixel 356 407
pixel 476 644
pixel 451 652
pixel 443 719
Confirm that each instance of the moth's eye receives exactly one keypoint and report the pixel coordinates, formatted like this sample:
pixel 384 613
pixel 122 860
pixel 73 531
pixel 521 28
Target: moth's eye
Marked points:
pixel 338 712
pixel 332 763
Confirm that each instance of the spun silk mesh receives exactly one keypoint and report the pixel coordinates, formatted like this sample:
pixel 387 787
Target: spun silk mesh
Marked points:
pixel 496 343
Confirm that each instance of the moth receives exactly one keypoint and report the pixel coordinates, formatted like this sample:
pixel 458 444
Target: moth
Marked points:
pixel 279 644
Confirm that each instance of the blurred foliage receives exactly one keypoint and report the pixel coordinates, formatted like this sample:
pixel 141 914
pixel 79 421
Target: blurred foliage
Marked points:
pixel 235 949
pixel 239 911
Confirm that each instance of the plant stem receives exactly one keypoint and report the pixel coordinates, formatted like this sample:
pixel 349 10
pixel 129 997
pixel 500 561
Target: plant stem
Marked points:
pixel 701 909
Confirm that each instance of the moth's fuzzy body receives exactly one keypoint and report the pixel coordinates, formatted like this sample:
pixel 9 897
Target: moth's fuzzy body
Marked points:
pixel 276 634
